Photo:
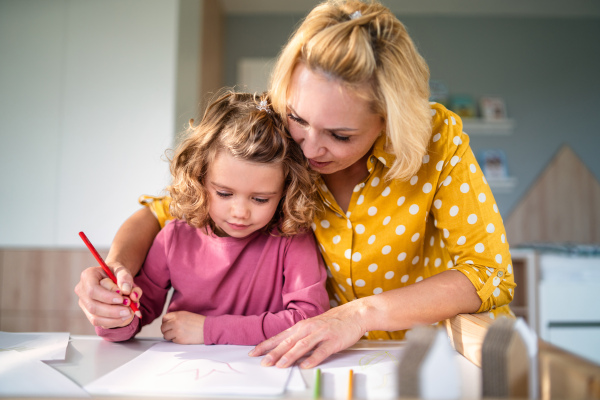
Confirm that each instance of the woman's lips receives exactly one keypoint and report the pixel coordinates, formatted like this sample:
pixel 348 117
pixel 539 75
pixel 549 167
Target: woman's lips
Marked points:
pixel 317 164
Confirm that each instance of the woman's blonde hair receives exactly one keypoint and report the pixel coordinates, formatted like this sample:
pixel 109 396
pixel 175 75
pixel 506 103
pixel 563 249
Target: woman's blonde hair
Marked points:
pixel 244 125
pixel 370 47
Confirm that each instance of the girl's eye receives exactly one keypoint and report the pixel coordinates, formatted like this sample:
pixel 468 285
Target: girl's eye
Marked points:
pixel 340 138
pixel 296 119
pixel 261 201
pixel 223 194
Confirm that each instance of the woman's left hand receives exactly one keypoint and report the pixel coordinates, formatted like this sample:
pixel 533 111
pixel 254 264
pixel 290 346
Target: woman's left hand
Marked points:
pixel 183 327
pixel 325 334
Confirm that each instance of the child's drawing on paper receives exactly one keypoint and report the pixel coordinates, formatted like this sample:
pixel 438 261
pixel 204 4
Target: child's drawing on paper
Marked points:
pixel 374 358
pixel 199 369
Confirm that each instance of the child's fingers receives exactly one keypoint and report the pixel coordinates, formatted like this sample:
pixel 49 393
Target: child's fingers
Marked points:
pixel 136 294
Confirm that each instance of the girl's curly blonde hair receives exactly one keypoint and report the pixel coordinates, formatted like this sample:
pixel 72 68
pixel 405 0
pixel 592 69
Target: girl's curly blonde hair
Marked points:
pixel 244 125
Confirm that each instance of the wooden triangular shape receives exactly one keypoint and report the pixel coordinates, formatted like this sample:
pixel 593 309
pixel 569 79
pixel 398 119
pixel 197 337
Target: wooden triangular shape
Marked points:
pixel 563 205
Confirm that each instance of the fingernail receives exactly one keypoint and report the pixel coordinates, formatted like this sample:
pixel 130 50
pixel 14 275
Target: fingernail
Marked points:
pixel 282 362
pixel 305 364
pixel 134 295
pixel 124 313
pixel 117 300
pixel 118 291
pixel 126 287
pixel 252 352
pixel 267 361
pixel 126 302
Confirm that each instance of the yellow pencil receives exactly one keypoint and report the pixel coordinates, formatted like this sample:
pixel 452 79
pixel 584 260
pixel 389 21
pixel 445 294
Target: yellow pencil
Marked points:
pixel 350 384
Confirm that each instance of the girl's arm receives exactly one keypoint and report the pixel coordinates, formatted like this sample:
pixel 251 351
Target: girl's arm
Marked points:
pixel 126 256
pixel 434 299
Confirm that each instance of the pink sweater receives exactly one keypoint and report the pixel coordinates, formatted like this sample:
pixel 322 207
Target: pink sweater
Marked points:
pixel 249 289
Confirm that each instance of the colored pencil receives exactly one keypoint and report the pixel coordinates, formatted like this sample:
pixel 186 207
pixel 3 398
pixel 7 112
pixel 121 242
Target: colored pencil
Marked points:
pixel 105 267
pixel 317 393
pixel 350 384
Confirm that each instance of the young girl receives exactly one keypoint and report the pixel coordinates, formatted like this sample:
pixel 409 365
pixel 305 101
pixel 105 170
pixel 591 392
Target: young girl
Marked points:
pixel 240 258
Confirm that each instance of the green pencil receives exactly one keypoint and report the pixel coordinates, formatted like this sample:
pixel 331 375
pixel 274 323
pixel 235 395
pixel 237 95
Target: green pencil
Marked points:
pixel 317 393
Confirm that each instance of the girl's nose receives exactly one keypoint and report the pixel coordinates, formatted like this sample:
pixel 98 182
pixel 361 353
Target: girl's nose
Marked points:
pixel 240 209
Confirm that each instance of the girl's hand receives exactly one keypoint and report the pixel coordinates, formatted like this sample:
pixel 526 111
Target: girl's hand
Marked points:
pixel 102 304
pixel 183 327
pixel 108 284
pixel 325 334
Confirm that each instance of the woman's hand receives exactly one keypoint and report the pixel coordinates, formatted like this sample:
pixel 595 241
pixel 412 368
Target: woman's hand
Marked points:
pixel 183 327
pixel 325 334
pixel 103 303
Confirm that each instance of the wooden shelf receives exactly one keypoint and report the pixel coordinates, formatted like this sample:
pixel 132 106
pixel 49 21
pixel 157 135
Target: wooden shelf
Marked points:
pixel 480 126
pixel 502 185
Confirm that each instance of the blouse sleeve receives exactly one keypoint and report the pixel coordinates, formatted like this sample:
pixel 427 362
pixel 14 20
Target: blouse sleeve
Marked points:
pixel 304 296
pixel 159 207
pixel 466 212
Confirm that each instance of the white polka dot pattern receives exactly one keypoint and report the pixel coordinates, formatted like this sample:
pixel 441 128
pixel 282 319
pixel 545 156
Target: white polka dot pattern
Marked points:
pixel 396 233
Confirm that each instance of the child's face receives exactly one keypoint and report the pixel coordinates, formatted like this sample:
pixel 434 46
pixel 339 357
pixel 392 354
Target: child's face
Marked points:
pixel 243 195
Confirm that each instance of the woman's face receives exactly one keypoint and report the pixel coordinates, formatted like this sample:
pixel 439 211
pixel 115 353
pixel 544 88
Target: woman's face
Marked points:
pixel 333 125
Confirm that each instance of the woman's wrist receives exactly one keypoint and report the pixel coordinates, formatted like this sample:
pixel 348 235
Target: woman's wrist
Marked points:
pixel 367 313
pixel 117 265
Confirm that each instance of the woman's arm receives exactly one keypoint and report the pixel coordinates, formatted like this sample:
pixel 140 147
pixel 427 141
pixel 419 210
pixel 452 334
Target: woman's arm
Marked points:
pixel 104 307
pixel 130 246
pixel 434 299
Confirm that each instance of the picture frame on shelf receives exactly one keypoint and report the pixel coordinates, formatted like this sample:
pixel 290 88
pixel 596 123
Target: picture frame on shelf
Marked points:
pixel 438 92
pixel 464 106
pixel 492 108
pixel 493 164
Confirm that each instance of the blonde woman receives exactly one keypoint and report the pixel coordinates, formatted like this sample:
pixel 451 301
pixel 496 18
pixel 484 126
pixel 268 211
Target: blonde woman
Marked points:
pixel 409 230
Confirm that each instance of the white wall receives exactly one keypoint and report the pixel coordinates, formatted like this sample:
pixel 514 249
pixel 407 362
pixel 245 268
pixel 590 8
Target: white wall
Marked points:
pixel 87 109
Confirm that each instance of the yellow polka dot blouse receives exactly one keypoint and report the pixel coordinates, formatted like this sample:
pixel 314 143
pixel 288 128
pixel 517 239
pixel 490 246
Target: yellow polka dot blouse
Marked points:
pixel 396 233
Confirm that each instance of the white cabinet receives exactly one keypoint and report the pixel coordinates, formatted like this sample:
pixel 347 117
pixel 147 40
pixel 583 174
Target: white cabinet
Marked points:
pixel 569 310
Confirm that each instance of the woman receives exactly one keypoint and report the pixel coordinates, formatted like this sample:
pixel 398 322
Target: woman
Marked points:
pixel 409 231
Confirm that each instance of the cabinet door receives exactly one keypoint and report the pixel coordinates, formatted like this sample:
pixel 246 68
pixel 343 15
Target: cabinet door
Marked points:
pixel 581 339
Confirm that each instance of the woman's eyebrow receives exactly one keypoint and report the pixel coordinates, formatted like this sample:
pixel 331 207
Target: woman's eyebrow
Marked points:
pixel 329 129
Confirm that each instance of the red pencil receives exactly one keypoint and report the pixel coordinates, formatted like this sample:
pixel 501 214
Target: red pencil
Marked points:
pixel 105 267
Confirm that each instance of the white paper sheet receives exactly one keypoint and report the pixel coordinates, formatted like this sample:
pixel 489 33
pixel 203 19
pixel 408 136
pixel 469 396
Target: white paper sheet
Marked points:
pixel 23 376
pixel 296 382
pixel 36 345
pixel 375 374
pixel 192 370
